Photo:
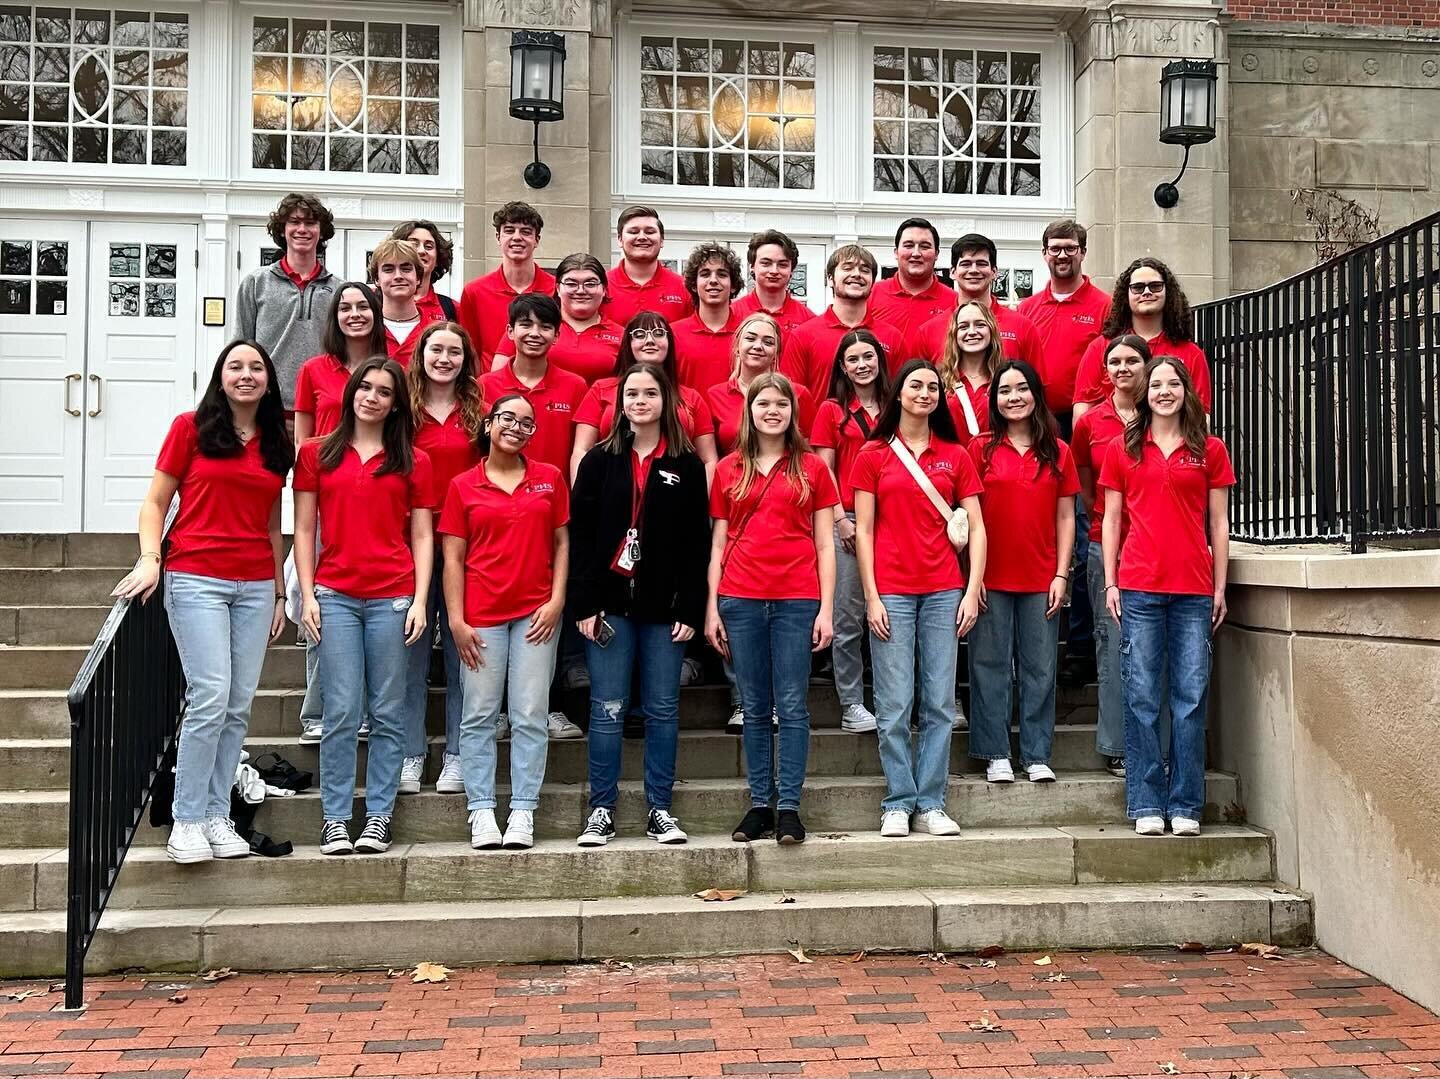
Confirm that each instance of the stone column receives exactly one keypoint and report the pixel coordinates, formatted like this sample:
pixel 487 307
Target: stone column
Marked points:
pixel 497 147
pixel 1119 52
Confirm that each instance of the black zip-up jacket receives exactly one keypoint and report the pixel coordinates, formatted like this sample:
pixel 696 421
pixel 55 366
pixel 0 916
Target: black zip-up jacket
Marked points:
pixel 669 584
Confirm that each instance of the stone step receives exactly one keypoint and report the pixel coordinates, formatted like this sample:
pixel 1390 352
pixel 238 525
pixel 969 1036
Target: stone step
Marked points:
pixel 831 804
pixel 50 625
pixel 83 585
pixel 634 866
pixel 116 550
pixel 33 713
pixel 399 934
pixel 42 667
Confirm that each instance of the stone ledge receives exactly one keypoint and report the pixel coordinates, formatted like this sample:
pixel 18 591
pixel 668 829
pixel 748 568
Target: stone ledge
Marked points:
pixel 1330 567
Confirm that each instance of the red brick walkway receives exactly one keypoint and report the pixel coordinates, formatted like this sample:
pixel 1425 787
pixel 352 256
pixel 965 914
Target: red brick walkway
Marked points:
pixel 1154 1013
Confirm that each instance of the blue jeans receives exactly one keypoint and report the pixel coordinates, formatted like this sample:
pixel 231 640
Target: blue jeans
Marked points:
pixel 1082 621
pixel 362 663
pixel 1013 632
pixel 770 651
pixel 221 629
pixel 646 645
pixel 1164 634
pixel 849 627
pixel 923 626
pixel 417 674
pixel 1110 727
pixel 514 667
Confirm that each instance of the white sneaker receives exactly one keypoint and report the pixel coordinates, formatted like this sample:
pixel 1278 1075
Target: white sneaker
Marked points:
pixel 936 822
pixel 188 843
pixel 894 823
pixel 519 830
pixel 662 826
pixel 962 723
pixel 484 832
pixel 857 719
pixel 502 727
pixel 411 770
pixel 691 671
pixel 999 772
pixel 311 733
pixel 559 726
pixel 224 840
pixel 1039 773
pixel 1184 826
pixel 576 676
pixel 736 723
pixel 1150 826
pixel 599 828
pixel 451 779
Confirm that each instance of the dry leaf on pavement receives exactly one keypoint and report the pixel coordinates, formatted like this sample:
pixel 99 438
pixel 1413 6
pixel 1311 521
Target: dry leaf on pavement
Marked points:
pixel 1190 946
pixel 857 956
pixel 718 895
pixel 217 975
pixel 984 1024
pixel 785 897
pixel 990 951
pixel 1168 1067
pixel 1043 961
pixel 1058 976
pixel 430 972
pixel 617 964
pixel 1264 951
pixel 799 952
pixel 178 998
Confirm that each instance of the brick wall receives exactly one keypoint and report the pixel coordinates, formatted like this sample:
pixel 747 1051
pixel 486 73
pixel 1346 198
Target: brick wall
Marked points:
pixel 1423 13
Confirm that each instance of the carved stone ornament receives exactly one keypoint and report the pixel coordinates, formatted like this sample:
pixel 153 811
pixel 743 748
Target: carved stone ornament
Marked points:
pixel 550 14
pixel 1371 65
pixel 1166 37
pixel 1311 65
pixel 1249 61
pixel 1430 69
pixel 87 198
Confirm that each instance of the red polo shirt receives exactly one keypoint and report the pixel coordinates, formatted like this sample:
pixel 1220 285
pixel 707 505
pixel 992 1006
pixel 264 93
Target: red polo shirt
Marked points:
pixel 1167 548
pixel 1019 511
pixel 1019 338
pixel 598 410
pixel 664 294
pixel 774 555
pixel 809 356
pixel 509 540
pixel 702 355
pixel 727 401
pixel 430 309
pixel 589 353
pixel 320 391
pixel 792 314
pixel 979 394
pixel 554 398
pixel 834 430
pixel 222 528
pixel 908 311
pixel 450 449
pixel 913 556
pixel 1089 442
pixel 1066 327
pixel 295 279
pixel 484 308
pixel 1093 384
pixel 402 351
pixel 366 554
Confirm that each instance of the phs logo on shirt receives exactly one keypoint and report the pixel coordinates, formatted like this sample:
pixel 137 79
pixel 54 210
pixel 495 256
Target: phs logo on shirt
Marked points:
pixel 1085 320
pixel 558 406
pixel 939 466
pixel 542 487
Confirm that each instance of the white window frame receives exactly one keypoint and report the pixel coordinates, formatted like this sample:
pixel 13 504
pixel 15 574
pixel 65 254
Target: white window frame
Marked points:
pixel 451 118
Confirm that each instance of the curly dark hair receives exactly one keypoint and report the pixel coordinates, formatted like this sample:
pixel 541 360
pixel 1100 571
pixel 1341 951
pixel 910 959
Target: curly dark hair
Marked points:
pixel 444 246
pixel 518 213
pixel 312 206
pixel 703 253
pixel 1179 324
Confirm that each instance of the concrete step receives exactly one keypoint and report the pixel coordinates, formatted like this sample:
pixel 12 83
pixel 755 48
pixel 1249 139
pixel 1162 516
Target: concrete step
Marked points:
pixel 397 934
pixel 50 625
pixel 831 804
pixel 33 713
pixel 69 585
pixel 116 550
pixel 43 667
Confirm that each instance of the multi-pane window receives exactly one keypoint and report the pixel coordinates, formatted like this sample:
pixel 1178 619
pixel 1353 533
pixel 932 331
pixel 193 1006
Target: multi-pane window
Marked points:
pixel 956 121
pixel 142 280
pixel 33 277
pixel 345 96
pixel 722 112
pixel 93 85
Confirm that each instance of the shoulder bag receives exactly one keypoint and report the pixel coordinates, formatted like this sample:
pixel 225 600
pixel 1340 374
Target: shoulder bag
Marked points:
pixel 957 521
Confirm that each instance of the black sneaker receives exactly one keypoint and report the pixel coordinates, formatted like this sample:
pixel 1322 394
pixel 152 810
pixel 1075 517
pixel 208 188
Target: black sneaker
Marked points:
pixel 335 838
pixel 599 829
pixel 374 838
pixel 664 828
pixel 788 829
pixel 756 824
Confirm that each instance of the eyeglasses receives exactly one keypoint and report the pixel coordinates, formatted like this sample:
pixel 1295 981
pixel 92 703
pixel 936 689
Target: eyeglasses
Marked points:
pixel 1063 249
pixel 642 334
pixel 1139 288
pixel 590 285
pixel 509 419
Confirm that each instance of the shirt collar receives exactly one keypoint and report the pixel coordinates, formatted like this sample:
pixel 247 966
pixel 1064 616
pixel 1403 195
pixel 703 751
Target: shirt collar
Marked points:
pixel 295 278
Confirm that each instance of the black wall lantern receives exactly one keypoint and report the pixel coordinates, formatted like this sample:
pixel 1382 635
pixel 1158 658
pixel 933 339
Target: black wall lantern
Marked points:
pixel 1187 114
pixel 537 88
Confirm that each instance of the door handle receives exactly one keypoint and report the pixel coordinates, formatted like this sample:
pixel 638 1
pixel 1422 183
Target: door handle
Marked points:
pixel 68 407
pixel 99 384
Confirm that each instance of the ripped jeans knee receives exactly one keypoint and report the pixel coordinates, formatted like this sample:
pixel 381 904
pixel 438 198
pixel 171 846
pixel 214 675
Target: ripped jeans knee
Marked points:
pixel 607 716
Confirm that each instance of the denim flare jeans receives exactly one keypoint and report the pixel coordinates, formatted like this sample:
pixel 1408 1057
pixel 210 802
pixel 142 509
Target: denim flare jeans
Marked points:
pixel 1013 634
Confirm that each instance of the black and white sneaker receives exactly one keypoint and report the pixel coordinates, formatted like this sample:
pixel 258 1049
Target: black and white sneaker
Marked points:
pixel 335 838
pixel 599 829
pixel 664 828
pixel 374 838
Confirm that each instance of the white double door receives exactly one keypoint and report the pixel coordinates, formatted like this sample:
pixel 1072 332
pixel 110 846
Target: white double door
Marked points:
pixel 98 329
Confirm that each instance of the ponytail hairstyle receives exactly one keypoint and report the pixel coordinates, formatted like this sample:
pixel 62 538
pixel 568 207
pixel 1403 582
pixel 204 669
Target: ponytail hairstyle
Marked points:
pixel 950 357
pixel 1044 431
pixel 747 443
pixel 398 435
pixel 671 429
pixel 467 389
pixel 215 421
pixel 841 388
pixel 1193 427
pixel 1129 340
pixel 942 424
pixel 486 425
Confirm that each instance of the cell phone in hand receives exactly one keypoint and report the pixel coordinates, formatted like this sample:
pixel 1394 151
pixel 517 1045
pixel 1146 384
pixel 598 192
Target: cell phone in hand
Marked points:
pixel 604 633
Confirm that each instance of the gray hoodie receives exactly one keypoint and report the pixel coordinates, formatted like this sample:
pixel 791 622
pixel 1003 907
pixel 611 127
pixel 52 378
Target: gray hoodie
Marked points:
pixel 288 321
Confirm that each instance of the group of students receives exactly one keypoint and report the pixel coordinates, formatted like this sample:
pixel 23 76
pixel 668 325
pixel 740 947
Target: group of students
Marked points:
pixel 632 459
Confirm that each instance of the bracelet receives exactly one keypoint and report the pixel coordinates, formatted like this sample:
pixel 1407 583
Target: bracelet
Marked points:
pixel 279 596
pixel 149 554
pixel 1061 577
pixel 1110 586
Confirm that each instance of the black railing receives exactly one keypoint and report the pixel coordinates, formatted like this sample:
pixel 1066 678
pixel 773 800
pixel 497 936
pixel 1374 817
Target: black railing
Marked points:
pixel 1327 392
pixel 125 707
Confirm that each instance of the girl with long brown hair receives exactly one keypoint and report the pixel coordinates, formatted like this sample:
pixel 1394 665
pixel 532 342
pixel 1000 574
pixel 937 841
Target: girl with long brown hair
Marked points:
pixel 973 354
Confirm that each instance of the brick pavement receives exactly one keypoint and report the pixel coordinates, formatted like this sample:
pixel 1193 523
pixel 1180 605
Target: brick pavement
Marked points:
pixel 1140 1014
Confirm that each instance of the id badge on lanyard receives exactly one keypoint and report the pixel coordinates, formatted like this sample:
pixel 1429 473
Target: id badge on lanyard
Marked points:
pixel 629 553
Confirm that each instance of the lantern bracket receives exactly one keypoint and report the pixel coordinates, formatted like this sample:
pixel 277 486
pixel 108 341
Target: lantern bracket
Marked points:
pixel 537 173
pixel 1167 196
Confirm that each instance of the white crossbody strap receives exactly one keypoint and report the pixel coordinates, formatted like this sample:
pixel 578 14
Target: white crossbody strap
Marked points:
pixel 913 467
pixel 967 406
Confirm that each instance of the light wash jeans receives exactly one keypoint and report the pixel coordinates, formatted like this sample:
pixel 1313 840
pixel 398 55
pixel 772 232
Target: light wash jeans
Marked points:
pixel 1110 727
pixel 770 650
pixel 417 676
pixel 513 667
pixel 849 620
pixel 361 661
pixel 1013 634
pixel 648 647
pixel 221 629
pixel 923 627
pixel 1166 633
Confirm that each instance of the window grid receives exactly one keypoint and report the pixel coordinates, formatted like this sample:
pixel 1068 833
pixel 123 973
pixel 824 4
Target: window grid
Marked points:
pixel 93 85
pixel 142 282
pixel 349 96
pixel 33 277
